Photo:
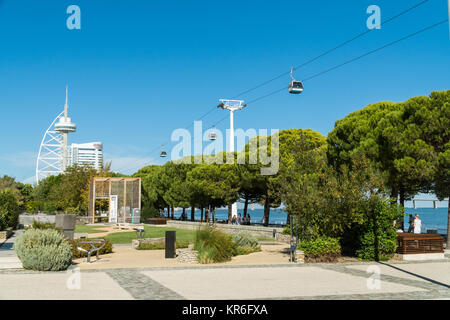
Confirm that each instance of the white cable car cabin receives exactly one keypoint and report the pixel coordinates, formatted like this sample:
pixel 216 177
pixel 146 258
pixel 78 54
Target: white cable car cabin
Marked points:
pixel 295 87
pixel 213 134
pixel 162 153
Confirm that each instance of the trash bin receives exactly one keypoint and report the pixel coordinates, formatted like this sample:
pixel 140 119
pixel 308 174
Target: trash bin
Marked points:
pixel 171 239
pixel 66 222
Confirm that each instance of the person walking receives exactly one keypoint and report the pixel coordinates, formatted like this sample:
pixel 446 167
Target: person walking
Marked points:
pixel 417 224
pixel 239 221
pixel 411 223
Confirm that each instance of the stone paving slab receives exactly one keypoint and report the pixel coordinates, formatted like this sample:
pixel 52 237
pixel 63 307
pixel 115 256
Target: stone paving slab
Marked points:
pixel 266 283
pixel 53 286
pixel 142 287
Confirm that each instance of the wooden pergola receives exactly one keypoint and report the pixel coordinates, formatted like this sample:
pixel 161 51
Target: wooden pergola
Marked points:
pixel 123 191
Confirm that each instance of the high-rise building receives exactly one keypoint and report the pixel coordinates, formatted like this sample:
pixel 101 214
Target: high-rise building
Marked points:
pixel 86 153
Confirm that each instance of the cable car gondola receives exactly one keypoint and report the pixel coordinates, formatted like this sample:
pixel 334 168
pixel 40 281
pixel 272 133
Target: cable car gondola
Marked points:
pixel 213 135
pixel 295 87
pixel 163 153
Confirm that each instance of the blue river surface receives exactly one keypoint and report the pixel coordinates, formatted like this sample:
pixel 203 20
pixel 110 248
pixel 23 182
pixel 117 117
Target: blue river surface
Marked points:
pixel 431 218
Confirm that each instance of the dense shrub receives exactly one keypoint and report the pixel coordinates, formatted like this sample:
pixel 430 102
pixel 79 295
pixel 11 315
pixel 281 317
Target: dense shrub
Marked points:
pixel 245 239
pixel 43 250
pixel 161 245
pixel 322 249
pixel 245 250
pixel 378 237
pixel 107 248
pixel 214 245
pixel 9 210
pixel 149 212
pixel 43 225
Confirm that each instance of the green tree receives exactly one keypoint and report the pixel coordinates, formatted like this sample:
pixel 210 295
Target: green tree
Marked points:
pixel 403 140
pixel 152 194
pixel 9 209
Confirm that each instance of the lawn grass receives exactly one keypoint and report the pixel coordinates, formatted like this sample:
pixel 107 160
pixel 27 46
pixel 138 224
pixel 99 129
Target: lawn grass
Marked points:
pixel 151 232
pixel 81 228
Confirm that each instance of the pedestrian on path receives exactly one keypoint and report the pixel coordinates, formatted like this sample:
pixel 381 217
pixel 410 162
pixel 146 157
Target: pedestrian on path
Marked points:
pixel 417 224
pixel 411 223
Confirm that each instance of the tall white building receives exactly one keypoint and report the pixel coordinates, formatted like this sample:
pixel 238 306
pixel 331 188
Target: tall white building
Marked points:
pixel 90 153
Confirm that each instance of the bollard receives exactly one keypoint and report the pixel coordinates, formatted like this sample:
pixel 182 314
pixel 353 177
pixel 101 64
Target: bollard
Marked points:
pixel 171 239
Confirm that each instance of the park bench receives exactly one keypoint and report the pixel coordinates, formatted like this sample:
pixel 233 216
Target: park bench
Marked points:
pixel 94 248
pixel 417 243
pixel 156 220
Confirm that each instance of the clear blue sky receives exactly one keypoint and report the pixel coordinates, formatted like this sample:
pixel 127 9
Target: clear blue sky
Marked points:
pixel 137 70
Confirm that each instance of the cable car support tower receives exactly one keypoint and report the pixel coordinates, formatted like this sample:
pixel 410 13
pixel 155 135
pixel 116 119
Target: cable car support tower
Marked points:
pixel 232 106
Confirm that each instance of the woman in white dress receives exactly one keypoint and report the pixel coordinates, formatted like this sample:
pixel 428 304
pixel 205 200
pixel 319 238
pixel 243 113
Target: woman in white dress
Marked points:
pixel 417 224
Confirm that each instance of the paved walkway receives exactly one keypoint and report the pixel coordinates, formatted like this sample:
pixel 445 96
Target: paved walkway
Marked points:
pixel 402 280
pixel 8 257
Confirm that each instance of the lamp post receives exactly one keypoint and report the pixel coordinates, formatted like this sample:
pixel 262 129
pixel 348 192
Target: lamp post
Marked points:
pixel 232 105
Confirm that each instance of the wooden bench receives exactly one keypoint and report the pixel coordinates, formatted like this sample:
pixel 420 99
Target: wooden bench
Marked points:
pixel 156 220
pixel 416 243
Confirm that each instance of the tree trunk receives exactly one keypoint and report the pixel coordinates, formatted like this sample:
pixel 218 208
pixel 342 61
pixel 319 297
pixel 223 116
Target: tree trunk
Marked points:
pixel 394 195
pixel 168 212
pixel 213 212
pixel 375 235
pixel 192 213
pixel 266 213
pixel 230 212
pixel 245 206
pixel 207 214
pixel 201 215
pixel 402 203
pixel 173 211
pixel 288 218
pixel 448 225
pixel 183 214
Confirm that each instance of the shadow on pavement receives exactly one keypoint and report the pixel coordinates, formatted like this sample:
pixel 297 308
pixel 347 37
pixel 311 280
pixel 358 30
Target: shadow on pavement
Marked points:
pixel 416 275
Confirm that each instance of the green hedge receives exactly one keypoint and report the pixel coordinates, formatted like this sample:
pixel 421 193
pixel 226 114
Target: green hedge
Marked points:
pixel 323 249
pixel 107 248
pixel 161 245
pixel 9 210
pixel 43 250
pixel 43 225
pixel 378 238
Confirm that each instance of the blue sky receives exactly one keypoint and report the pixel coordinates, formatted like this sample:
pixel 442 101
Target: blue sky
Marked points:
pixel 137 70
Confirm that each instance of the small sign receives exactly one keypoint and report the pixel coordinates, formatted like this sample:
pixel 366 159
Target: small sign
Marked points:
pixel 113 203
